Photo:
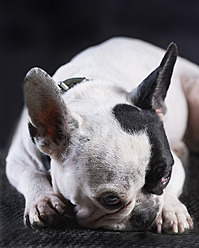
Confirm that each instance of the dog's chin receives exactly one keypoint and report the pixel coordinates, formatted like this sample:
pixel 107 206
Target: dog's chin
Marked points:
pixel 128 218
pixel 112 222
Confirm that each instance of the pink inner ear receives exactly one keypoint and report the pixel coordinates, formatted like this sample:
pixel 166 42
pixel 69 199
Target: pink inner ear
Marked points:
pixel 159 113
pixel 49 119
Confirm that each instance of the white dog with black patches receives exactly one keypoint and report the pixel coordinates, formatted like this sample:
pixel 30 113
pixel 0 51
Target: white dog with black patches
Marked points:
pixel 110 139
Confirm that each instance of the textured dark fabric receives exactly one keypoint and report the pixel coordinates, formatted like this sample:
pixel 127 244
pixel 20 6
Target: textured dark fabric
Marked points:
pixel 69 234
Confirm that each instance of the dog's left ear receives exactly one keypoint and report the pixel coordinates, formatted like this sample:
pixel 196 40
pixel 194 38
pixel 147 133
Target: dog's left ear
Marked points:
pixel 151 93
pixel 51 123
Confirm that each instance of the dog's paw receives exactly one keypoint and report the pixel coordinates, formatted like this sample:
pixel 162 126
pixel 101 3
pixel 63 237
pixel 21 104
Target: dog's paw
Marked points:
pixel 45 212
pixel 174 218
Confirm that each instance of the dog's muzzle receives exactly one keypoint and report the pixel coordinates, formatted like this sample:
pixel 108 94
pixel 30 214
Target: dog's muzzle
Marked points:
pixel 142 221
pixel 143 215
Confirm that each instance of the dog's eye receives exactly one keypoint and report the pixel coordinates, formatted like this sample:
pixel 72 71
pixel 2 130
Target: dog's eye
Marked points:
pixel 165 180
pixel 110 201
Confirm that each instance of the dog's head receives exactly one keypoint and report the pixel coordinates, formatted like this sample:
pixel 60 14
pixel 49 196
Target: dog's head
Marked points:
pixel 113 160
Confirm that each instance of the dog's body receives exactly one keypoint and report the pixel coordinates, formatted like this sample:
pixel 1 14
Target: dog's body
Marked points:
pixel 109 153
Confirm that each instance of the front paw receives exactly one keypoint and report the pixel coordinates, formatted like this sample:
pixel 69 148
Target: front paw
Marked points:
pixel 45 212
pixel 174 218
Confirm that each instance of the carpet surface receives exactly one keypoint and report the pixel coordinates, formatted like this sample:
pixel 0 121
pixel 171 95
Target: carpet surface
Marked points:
pixel 69 234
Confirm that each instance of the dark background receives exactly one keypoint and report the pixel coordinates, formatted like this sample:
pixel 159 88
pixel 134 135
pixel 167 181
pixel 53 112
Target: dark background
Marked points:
pixel 49 33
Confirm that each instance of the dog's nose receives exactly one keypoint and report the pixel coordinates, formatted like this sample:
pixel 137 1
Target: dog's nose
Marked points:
pixel 142 221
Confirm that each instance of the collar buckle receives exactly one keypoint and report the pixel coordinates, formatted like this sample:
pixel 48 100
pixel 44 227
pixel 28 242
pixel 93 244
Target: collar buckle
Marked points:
pixel 69 83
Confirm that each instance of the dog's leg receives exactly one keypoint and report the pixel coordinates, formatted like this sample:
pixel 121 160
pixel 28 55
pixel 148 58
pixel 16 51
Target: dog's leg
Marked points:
pixel 174 217
pixel 182 151
pixel 190 86
pixel 43 206
pixel 26 172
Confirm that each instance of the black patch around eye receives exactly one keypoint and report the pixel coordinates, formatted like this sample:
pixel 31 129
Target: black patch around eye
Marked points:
pixel 153 179
pixel 160 165
pixel 133 120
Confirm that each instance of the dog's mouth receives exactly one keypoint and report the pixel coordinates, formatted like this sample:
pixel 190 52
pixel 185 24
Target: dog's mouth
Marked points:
pixel 128 218
pixel 144 214
pixel 112 220
pixel 141 221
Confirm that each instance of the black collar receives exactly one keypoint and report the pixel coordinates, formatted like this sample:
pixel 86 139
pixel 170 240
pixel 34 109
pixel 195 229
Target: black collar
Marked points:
pixel 69 83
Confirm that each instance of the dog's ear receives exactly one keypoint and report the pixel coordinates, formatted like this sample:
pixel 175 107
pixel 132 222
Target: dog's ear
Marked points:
pixel 151 93
pixel 50 121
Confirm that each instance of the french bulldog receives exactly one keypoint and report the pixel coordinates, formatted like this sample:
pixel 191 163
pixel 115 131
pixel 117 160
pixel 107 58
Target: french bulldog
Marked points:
pixel 113 137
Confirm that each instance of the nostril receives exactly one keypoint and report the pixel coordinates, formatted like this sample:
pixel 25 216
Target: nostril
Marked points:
pixel 138 221
pixel 142 221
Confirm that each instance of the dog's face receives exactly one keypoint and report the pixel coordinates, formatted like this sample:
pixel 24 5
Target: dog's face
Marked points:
pixel 113 163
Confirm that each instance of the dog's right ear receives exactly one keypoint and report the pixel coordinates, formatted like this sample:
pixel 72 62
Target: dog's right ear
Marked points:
pixel 151 93
pixel 51 123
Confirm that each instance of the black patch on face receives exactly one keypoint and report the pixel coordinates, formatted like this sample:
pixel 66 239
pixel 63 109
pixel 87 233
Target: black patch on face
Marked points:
pixel 133 120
